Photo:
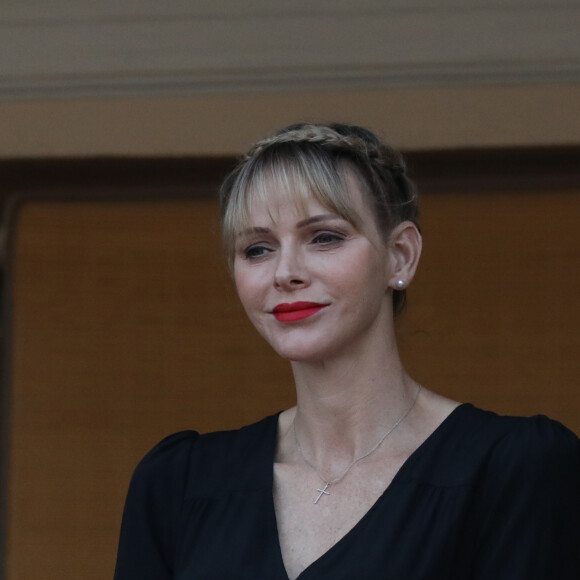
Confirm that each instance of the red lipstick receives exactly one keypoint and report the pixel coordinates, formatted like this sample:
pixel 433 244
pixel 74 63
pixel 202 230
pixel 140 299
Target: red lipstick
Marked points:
pixel 296 311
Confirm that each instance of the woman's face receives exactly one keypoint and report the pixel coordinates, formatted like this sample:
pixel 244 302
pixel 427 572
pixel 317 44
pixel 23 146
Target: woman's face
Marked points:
pixel 311 283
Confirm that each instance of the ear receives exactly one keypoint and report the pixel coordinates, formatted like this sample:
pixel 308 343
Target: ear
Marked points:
pixel 405 245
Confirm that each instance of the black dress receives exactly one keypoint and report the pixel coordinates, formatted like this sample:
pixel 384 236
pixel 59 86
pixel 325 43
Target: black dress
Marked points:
pixel 484 497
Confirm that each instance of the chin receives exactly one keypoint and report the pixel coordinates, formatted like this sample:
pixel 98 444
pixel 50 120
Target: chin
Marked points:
pixel 302 352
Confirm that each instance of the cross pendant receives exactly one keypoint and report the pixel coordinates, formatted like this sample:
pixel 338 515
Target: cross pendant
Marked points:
pixel 322 492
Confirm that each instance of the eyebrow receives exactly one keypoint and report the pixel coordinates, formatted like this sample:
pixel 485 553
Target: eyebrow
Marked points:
pixel 318 218
pixel 301 224
pixel 255 230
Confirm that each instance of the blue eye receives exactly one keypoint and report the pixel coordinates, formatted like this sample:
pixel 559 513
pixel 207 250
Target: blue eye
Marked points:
pixel 327 238
pixel 255 252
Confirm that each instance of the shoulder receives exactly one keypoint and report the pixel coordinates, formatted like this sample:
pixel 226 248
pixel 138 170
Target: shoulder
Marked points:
pixel 472 445
pixel 526 441
pixel 233 459
pixel 537 437
pixel 534 456
pixel 534 434
pixel 164 467
pixel 199 463
pixel 536 452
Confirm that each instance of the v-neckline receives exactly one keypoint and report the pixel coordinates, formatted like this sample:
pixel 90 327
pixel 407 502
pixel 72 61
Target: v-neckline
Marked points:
pixel 384 496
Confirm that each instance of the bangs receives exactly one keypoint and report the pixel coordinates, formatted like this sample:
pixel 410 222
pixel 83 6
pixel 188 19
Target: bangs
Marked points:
pixel 288 172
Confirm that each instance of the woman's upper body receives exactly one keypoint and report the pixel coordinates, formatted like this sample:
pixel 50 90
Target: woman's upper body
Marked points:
pixel 326 239
pixel 320 227
pixel 484 497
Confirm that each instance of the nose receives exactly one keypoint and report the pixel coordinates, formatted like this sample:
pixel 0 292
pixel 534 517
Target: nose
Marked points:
pixel 290 271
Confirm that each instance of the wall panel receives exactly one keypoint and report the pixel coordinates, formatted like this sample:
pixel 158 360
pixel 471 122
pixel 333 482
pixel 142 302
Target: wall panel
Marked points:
pixel 125 328
pixel 494 312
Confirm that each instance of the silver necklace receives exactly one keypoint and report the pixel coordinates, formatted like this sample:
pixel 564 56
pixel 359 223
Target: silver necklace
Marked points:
pixel 328 482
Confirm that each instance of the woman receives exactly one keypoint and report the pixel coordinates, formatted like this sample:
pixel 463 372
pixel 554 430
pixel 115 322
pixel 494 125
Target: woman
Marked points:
pixel 370 476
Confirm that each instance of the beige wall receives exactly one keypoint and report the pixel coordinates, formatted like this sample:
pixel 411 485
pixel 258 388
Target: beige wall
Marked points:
pixel 428 118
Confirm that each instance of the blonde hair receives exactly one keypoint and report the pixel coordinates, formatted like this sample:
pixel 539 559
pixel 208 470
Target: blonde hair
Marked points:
pixel 312 160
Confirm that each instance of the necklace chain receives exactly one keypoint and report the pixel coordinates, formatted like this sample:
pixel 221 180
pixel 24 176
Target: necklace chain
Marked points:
pixel 329 482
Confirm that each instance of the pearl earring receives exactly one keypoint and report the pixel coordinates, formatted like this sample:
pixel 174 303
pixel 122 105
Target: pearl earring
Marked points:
pixel 400 284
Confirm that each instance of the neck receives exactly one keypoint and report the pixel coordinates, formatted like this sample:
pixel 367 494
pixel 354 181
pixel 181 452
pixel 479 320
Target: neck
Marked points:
pixel 345 405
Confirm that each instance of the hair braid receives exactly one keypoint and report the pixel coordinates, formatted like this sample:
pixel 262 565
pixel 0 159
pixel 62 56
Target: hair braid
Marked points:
pixel 351 142
pixel 334 138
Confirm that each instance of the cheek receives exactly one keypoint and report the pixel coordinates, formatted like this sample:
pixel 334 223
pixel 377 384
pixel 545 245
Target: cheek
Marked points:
pixel 363 269
pixel 248 287
pixel 242 288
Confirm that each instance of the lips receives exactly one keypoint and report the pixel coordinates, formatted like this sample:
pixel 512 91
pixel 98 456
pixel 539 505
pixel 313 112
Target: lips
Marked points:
pixel 296 311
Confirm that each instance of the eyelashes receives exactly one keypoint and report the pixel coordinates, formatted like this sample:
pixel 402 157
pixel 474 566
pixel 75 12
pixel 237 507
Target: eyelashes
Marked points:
pixel 255 251
pixel 328 238
pixel 321 240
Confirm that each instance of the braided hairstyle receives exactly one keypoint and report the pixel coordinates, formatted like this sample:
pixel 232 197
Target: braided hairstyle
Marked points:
pixel 306 160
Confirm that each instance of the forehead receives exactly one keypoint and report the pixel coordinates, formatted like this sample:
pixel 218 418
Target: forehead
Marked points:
pixel 275 202
pixel 289 212
pixel 287 191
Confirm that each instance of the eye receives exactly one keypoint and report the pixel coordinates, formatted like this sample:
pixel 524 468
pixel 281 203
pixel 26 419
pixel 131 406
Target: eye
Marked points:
pixel 255 251
pixel 327 238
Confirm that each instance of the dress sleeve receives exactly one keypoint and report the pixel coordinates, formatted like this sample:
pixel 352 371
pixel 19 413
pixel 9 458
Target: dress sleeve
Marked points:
pixel 151 518
pixel 530 506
